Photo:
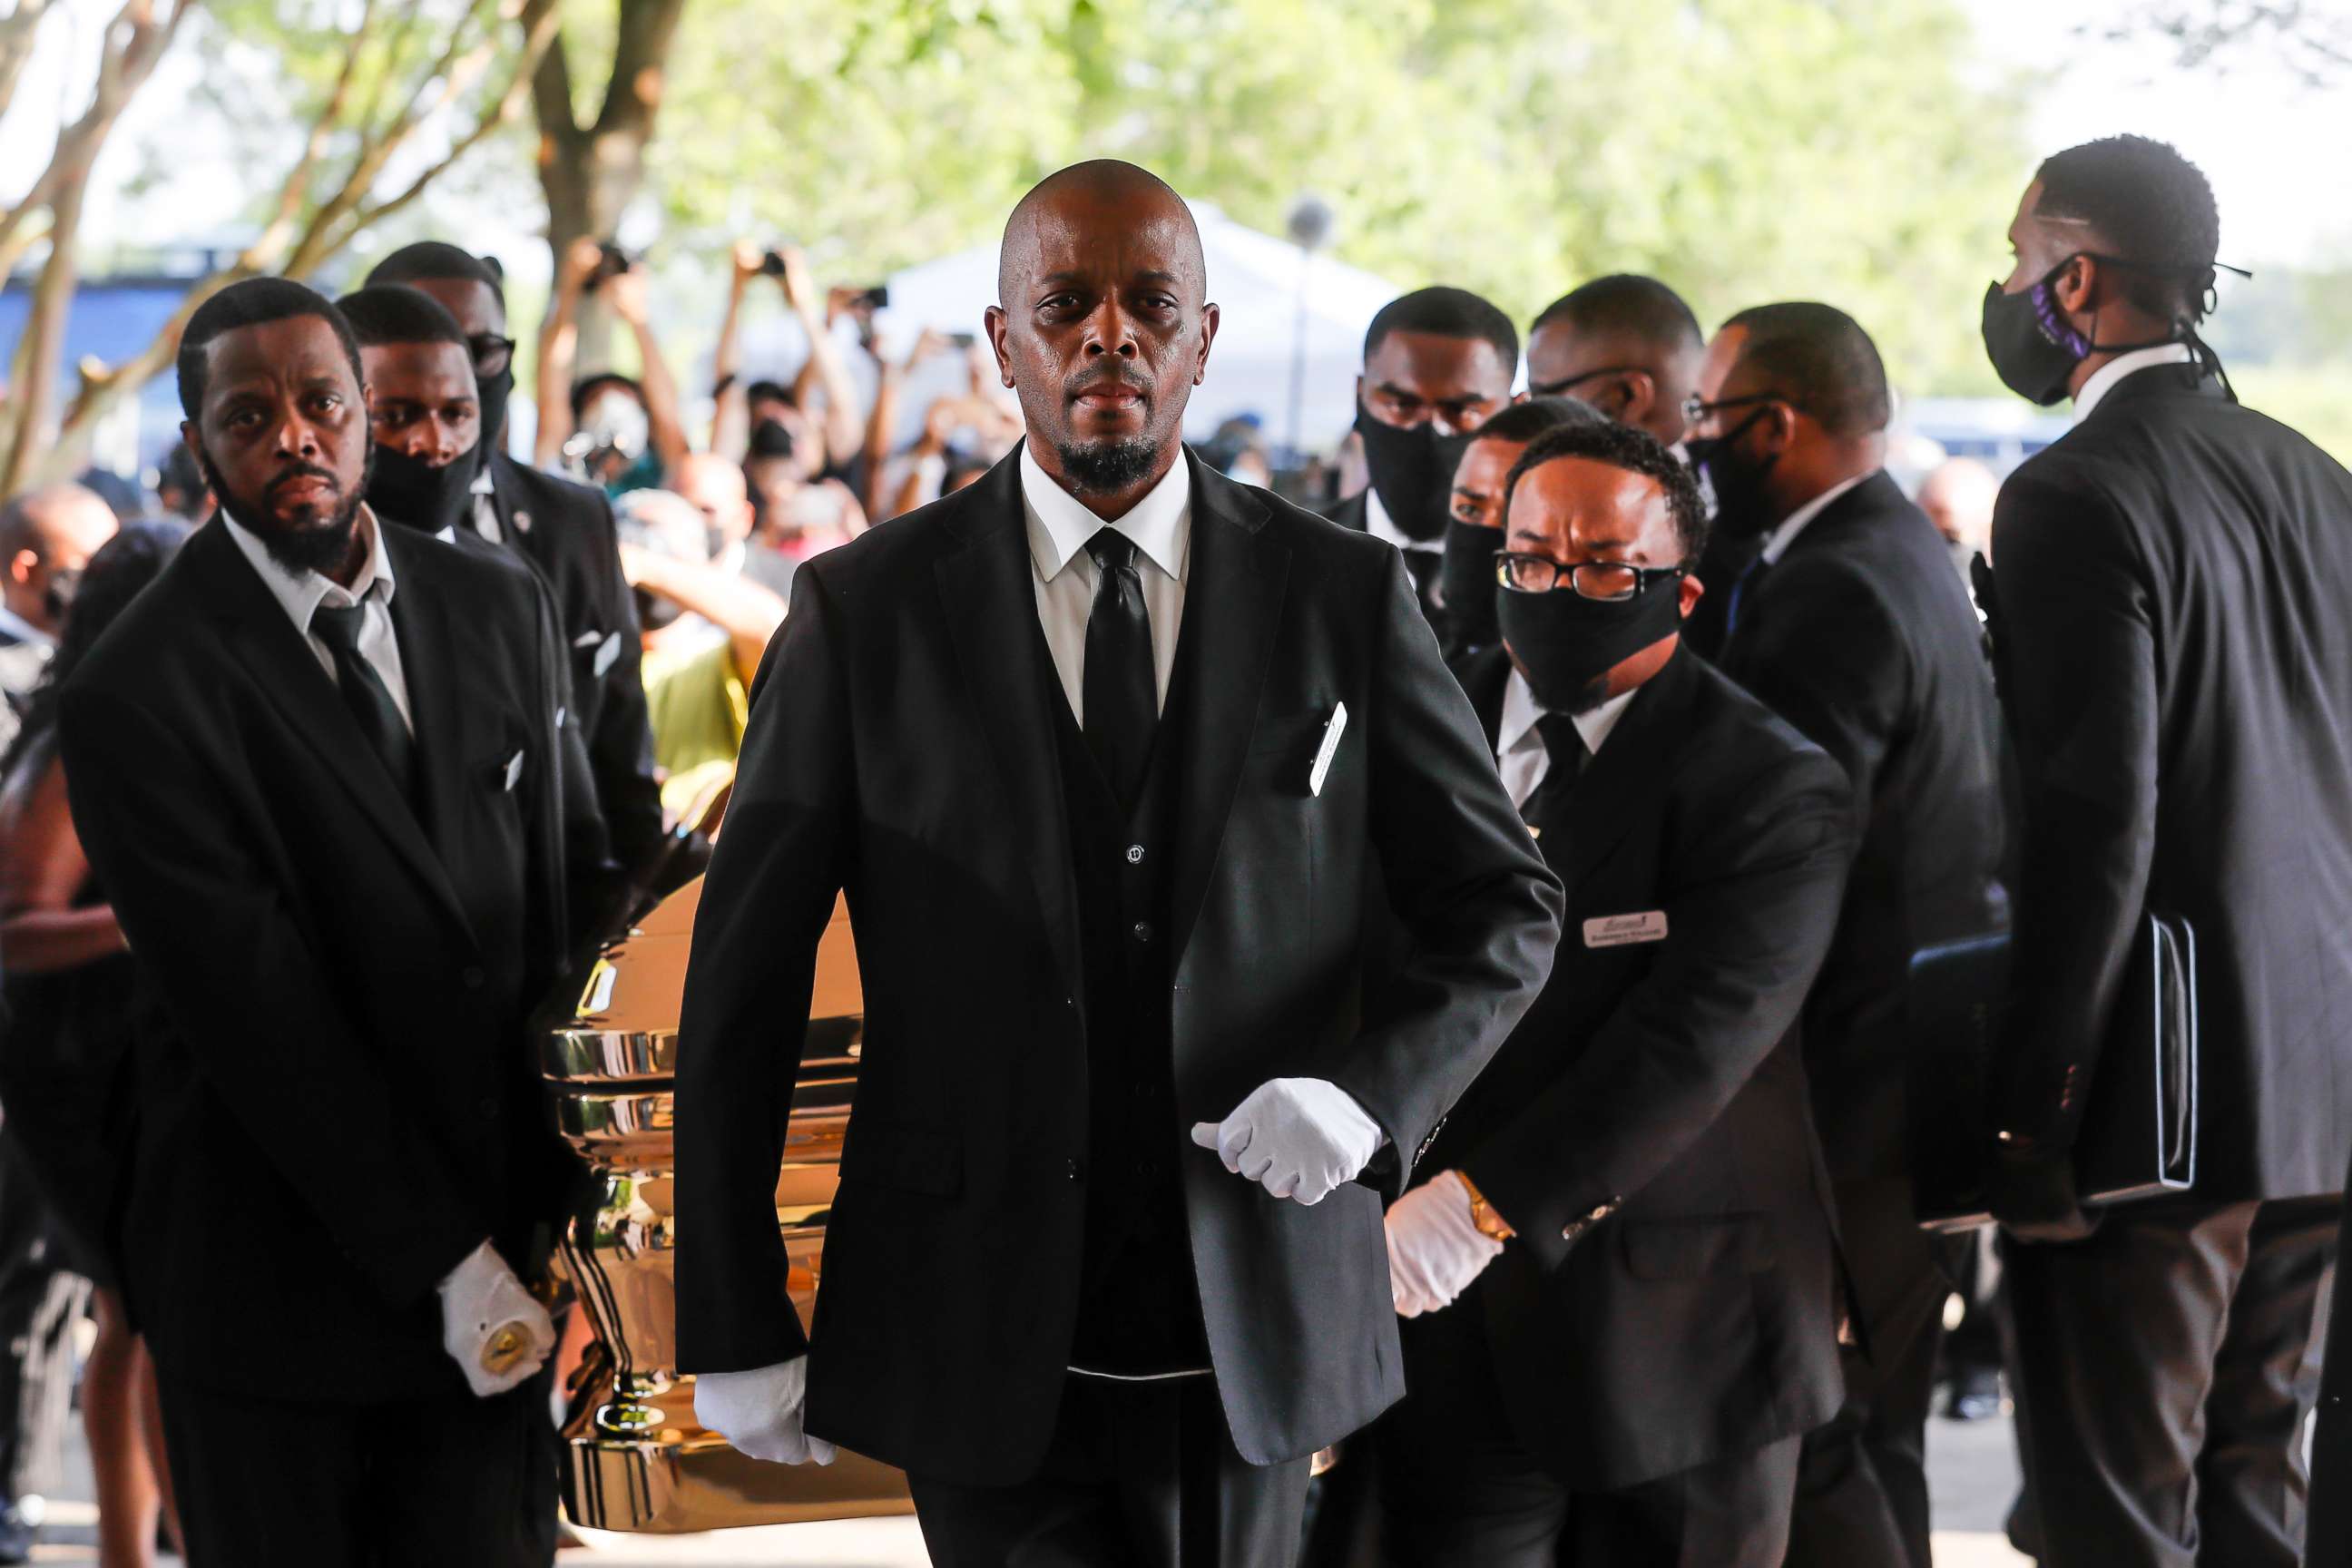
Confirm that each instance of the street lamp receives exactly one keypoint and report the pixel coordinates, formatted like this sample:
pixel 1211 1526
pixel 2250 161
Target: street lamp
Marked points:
pixel 1309 225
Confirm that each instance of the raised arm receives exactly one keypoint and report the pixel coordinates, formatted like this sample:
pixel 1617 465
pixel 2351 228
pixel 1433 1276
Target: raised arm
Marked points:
pixel 559 349
pixel 665 425
pixel 731 415
pixel 842 433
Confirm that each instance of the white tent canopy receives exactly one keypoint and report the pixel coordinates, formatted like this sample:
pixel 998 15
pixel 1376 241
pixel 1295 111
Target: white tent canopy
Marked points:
pixel 1263 285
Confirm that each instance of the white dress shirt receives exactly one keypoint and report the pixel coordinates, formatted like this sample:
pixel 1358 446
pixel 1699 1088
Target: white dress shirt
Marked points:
pixel 1160 526
pixel 1520 749
pixel 2103 379
pixel 1776 542
pixel 1381 525
pixel 302 593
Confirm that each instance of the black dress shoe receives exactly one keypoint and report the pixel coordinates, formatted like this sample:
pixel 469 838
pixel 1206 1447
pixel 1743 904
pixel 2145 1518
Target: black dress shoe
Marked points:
pixel 1974 1397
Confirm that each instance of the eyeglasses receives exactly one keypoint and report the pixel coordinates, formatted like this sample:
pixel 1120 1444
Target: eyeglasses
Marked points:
pixel 492 353
pixel 1559 388
pixel 1695 408
pixel 1603 579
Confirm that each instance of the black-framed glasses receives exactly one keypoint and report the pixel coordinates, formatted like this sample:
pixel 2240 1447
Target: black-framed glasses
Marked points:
pixel 1603 579
pixel 1695 408
pixel 1559 388
pixel 492 353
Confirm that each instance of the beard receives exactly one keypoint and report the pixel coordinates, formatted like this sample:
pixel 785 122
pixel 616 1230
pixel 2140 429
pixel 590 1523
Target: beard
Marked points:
pixel 1103 467
pixel 298 546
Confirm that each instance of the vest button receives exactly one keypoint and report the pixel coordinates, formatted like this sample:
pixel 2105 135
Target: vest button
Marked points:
pixel 1143 930
pixel 474 979
pixel 1135 853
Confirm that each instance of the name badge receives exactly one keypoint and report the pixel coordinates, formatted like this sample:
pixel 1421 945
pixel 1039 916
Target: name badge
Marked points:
pixel 513 771
pixel 1333 727
pixel 1625 930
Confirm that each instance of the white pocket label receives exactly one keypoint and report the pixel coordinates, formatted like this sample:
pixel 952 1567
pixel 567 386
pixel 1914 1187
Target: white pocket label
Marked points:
pixel 1624 931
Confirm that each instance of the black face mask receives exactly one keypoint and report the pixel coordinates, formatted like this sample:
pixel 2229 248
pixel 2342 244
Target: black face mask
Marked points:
pixel 1567 644
pixel 654 612
pixel 2032 348
pixel 1413 471
pixel 494 393
pixel 1742 511
pixel 1465 579
pixel 413 493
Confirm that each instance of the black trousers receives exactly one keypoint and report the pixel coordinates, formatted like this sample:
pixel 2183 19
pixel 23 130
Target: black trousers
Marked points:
pixel 444 1478
pixel 40 1302
pixel 1138 1474
pixel 2165 1368
pixel 1862 1487
pixel 1457 1487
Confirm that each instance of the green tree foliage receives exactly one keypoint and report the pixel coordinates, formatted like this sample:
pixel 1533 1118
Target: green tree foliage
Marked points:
pixel 1744 150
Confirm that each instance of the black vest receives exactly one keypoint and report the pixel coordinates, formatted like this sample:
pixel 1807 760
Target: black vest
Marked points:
pixel 1139 1309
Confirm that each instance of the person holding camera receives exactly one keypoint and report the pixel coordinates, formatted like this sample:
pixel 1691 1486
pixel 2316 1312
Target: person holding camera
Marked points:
pixel 827 446
pixel 619 433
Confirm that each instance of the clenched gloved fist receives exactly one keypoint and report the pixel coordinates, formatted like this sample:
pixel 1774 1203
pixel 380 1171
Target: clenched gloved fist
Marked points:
pixel 758 1412
pixel 1436 1247
pixel 492 1327
pixel 1297 1137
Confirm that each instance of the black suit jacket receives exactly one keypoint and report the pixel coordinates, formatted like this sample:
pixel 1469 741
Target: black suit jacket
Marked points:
pixel 566 531
pixel 337 1100
pixel 2175 664
pixel 900 746
pixel 1863 636
pixel 1422 562
pixel 1659 1084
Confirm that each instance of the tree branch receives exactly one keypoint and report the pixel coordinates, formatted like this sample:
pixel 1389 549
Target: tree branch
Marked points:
pixel 639 52
pixel 17 30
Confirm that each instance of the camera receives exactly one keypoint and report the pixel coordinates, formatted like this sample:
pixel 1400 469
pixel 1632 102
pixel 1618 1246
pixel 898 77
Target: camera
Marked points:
pixel 610 262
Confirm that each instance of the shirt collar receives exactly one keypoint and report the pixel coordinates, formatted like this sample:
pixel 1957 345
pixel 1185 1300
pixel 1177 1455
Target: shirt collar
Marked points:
pixel 1381 525
pixel 301 592
pixel 1776 542
pixel 1516 727
pixel 2103 379
pixel 1159 525
pixel 482 484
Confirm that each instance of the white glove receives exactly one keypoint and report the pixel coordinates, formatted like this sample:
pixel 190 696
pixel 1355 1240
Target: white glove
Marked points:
pixel 495 1331
pixel 1435 1249
pixel 758 1412
pixel 1298 1137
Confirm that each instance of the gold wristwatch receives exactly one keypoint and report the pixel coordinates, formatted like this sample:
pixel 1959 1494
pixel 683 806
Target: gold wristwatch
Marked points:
pixel 1482 1213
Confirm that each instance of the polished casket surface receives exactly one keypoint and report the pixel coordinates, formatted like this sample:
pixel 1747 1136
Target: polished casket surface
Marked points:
pixel 635 1457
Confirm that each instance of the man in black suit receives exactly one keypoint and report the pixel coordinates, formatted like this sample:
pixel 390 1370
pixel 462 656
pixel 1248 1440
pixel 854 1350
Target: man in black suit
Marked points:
pixel 316 768
pixel 565 531
pixel 1474 530
pixel 2176 671
pixel 1630 347
pixel 1852 625
pixel 1438 362
pixel 1621 1284
pixel 1101 749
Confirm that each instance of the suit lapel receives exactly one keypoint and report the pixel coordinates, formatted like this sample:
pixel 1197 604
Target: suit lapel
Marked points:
pixel 1623 776
pixel 286 668
pixel 427 632
pixel 987 588
pixel 1233 607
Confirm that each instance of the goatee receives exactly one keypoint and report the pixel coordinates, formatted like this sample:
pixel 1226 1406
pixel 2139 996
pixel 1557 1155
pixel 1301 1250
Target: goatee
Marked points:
pixel 298 549
pixel 1103 468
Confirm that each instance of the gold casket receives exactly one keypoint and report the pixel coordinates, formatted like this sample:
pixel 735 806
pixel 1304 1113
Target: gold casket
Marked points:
pixel 635 1457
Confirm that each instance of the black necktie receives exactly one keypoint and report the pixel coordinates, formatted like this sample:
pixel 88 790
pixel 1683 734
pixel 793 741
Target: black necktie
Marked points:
pixel 1564 745
pixel 365 695
pixel 1121 694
